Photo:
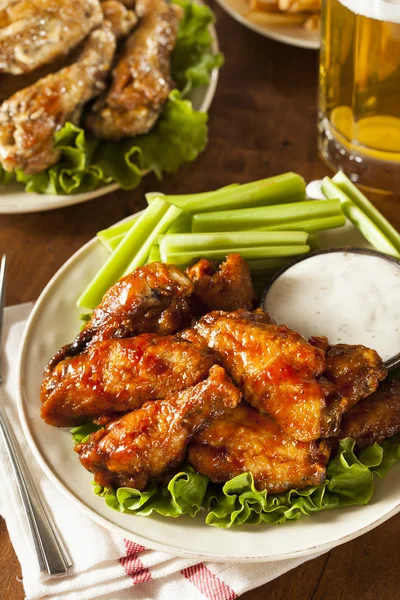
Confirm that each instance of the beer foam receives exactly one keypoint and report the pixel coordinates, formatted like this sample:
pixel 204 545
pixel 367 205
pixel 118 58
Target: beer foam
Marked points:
pixel 382 10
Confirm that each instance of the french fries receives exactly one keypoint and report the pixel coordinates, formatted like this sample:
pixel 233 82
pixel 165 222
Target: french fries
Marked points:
pixel 285 12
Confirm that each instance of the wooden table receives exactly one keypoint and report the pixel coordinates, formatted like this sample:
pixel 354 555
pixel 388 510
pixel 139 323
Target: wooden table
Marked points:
pixel 262 122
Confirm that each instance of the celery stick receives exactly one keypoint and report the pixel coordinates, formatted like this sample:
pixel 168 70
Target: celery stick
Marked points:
pixel 161 227
pixel 114 230
pixel 151 196
pixel 309 225
pixel 113 242
pixel 195 242
pixel 264 216
pixel 182 224
pixel 154 254
pixel 368 208
pixel 115 266
pixel 288 187
pixel 368 228
pixel 183 258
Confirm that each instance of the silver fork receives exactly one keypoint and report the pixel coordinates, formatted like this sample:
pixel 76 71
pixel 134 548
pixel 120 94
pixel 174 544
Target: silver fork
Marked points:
pixel 51 554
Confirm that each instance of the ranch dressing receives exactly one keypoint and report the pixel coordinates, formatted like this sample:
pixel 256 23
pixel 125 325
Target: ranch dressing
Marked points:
pixel 350 298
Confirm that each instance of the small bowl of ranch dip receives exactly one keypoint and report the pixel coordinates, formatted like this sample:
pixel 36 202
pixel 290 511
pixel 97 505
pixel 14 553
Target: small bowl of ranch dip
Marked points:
pixel 349 295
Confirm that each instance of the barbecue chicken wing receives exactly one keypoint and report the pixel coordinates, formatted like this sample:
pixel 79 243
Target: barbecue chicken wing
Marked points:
pixel 277 370
pixel 122 20
pixel 245 440
pixel 31 117
pixel 151 299
pixel 374 418
pixel 151 441
pixel 227 287
pixel 141 80
pixel 36 32
pixel 116 376
pixel 355 371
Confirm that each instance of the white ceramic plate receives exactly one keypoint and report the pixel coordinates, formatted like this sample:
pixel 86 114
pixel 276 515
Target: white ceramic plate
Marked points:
pixel 294 35
pixel 54 322
pixel 14 199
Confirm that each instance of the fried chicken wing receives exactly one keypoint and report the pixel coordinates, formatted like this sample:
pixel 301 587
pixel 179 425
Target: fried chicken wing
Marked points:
pixel 150 442
pixel 141 80
pixel 227 287
pixel 277 370
pixel 36 32
pixel 245 440
pixel 152 299
pixel 374 418
pixel 116 376
pixel 31 117
pixel 122 20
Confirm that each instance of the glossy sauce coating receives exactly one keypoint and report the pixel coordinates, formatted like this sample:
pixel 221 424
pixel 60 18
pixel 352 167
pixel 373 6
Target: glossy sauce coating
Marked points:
pixel 276 369
pixel 151 441
pixel 245 440
pixel 116 376
pixel 375 418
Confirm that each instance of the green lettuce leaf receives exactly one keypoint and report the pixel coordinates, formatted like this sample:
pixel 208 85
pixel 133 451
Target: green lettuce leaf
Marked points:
pixel 183 495
pixel 179 135
pixel 81 433
pixel 193 60
pixel 350 482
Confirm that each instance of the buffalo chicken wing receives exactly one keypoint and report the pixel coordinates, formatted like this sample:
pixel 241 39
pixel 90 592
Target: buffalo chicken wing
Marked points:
pixel 277 371
pixel 151 442
pixel 375 418
pixel 116 376
pixel 225 287
pixel 245 440
pixel 151 299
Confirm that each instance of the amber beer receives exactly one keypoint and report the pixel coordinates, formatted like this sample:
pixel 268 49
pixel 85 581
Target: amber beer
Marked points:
pixel 359 93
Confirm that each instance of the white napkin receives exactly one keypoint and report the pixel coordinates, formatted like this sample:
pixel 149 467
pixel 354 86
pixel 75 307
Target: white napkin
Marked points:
pixel 105 566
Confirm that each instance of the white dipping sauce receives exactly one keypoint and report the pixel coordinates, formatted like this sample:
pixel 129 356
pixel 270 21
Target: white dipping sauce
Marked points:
pixel 348 297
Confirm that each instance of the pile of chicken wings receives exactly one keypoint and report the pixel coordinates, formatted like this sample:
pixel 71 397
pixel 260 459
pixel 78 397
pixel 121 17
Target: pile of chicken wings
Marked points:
pixel 180 367
pixel 113 51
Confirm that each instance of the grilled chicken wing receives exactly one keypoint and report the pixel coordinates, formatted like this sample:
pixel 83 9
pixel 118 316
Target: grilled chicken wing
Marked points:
pixel 36 32
pixel 141 79
pixel 116 376
pixel 375 418
pixel 278 371
pixel 227 287
pixel 355 371
pixel 245 440
pixel 31 117
pixel 122 20
pixel 151 442
pixel 152 299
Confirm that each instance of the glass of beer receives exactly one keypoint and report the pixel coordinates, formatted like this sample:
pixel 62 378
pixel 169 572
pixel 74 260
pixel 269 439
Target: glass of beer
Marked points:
pixel 359 91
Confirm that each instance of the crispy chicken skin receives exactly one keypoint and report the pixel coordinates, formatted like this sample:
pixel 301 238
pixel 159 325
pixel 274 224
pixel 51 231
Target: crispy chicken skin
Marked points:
pixel 36 32
pixel 141 80
pixel 276 369
pixel 245 440
pixel 152 299
pixel 150 442
pixel 116 376
pixel 122 20
pixel 354 370
pixel 374 418
pixel 31 117
pixel 227 287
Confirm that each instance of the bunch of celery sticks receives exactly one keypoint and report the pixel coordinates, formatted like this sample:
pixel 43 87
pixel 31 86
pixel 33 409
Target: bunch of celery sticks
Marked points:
pixel 266 221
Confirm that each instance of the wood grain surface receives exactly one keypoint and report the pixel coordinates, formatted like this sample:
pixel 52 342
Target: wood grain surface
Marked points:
pixel 262 122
